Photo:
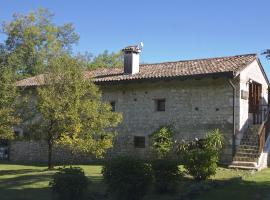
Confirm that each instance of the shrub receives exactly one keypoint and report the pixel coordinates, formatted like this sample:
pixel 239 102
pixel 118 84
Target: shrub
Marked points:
pixel 127 177
pixel 162 141
pixel 69 183
pixel 166 175
pixel 200 157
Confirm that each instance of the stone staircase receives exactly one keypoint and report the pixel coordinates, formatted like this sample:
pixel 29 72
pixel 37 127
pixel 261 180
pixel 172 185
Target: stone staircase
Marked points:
pixel 247 155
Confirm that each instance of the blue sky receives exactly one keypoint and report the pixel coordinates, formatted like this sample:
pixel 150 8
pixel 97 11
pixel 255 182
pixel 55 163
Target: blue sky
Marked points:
pixel 171 30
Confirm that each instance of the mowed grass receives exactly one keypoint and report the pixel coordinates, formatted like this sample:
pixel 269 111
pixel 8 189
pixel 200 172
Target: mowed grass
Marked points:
pixel 27 182
pixel 31 182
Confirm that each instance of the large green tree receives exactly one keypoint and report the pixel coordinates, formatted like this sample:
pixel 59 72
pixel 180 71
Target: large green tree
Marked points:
pixel 106 60
pixel 8 96
pixel 267 53
pixel 70 110
pixel 33 39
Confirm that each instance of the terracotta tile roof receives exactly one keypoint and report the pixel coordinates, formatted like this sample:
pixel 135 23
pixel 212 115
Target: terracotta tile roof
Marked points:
pixel 230 65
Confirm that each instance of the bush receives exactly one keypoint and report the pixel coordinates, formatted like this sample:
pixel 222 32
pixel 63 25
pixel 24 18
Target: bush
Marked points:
pixel 200 157
pixel 166 175
pixel 162 141
pixel 127 177
pixel 69 183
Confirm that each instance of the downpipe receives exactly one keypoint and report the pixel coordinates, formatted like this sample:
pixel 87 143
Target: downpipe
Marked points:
pixel 233 136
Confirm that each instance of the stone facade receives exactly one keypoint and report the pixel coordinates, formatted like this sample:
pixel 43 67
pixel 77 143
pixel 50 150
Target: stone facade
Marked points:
pixel 250 73
pixel 37 151
pixel 192 108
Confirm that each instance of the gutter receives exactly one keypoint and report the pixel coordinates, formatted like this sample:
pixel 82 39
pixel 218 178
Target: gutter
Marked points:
pixel 233 136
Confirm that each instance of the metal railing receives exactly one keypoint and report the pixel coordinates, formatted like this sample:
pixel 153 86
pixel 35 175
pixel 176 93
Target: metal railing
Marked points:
pixel 262 117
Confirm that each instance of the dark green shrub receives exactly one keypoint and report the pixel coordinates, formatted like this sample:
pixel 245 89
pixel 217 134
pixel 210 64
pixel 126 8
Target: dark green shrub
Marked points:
pixel 162 141
pixel 127 177
pixel 69 183
pixel 166 175
pixel 200 157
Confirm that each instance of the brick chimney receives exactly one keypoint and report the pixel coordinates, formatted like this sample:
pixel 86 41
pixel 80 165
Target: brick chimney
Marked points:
pixel 132 59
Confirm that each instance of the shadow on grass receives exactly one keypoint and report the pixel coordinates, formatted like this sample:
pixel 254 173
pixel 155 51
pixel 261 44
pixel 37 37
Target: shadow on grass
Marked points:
pixel 24 181
pixel 25 186
pixel 234 188
pixel 19 171
pixel 26 194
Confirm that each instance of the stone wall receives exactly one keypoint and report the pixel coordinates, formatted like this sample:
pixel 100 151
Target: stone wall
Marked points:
pixel 193 107
pixel 37 151
pixel 251 73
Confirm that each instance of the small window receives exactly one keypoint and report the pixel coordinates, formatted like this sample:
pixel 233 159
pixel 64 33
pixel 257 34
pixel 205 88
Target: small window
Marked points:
pixel 17 133
pixel 160 104
pixel 113 105
pixel 139 142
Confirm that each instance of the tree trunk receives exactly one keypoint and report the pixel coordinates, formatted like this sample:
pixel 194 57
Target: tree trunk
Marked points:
pixel 50 149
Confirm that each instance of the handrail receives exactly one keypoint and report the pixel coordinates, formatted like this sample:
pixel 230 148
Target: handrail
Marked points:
pixel 261 132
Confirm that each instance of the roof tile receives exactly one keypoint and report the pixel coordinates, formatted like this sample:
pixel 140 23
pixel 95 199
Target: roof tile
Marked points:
pixel 163 70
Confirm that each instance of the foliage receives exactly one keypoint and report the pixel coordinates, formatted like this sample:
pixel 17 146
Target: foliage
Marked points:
pixel 8 94
pixel 69 183
pixel 200 157
pixel 162 141
pixel 267 53
pixel 33 39
pixel 108 60
pixel 166 175
pixel 127 178
pixel 69 110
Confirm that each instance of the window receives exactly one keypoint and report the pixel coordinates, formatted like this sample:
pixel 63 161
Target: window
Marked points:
pixel 113 105
pixel 139 142
pixel 160 104
pixel 17 133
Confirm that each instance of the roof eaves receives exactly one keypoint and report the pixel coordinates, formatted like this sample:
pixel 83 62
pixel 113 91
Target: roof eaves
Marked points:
pixel 228 74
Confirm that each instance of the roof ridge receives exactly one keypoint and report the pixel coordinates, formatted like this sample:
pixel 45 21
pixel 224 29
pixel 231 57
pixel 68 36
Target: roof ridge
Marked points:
pixel 197 59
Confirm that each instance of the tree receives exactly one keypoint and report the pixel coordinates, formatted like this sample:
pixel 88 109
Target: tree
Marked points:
pixel 162 142
pixel 33 39
pixel 267 53
pixel 107 60
pixel 71 111
pixel 8 94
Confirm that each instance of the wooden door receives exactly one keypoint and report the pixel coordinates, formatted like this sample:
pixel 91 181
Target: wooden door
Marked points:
pixel 255 91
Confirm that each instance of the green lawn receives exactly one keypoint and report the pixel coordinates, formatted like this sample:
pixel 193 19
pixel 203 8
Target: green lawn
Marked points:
pixel 27 182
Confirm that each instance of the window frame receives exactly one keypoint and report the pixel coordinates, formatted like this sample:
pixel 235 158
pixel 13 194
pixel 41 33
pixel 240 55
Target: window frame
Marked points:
pixel 159 106
pixel 113 105
pixel 139 142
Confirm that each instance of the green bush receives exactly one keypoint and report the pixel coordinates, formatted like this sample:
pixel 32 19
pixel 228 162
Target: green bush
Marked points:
pixel 127 177
pixel 166 175
pixel 162 141
pixel 200 157
pixel 69 183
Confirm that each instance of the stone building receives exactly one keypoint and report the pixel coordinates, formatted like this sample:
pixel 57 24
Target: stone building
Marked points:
pixel 191 96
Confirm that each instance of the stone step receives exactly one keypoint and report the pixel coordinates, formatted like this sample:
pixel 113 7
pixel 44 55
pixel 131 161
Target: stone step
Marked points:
pixel 246 164
pixel 244 158
pixel 248 151
pixel 250 138
pixel 249 143
pixel 248 155
pixel 251 147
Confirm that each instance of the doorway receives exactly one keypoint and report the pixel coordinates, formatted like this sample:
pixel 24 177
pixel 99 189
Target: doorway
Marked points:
pixel 254 107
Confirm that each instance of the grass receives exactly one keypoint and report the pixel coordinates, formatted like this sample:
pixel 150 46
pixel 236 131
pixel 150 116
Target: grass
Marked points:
pixel 28 182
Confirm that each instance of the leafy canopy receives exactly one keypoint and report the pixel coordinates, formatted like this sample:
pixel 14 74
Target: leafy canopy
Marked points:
pixel 8 94
pixel 267 53
pixel 33 39
pixel 69 109
pixel 107 60
pixel 162 141
pixel 200 157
